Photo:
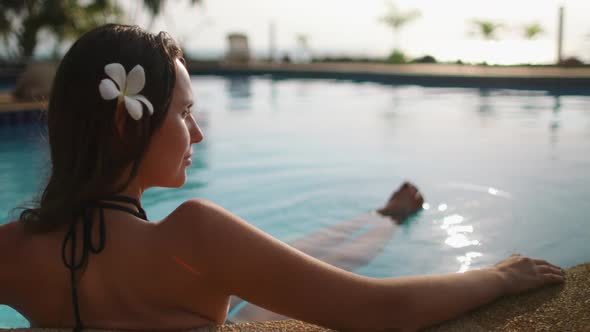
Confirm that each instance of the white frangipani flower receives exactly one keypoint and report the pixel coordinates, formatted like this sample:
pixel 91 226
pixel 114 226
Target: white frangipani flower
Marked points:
pixel 127 88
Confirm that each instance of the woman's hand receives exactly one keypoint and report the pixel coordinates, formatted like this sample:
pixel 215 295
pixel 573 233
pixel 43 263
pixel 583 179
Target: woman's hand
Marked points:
pixel 522 273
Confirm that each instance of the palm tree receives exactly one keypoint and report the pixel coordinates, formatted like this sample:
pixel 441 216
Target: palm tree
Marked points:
pixel 532 31
pixel 397 19
pixel 154 7
pixel 488 30
pixel 21 20
pixel 79 19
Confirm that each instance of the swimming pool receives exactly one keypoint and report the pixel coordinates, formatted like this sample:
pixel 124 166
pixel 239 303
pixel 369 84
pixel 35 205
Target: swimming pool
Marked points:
pixel 502 171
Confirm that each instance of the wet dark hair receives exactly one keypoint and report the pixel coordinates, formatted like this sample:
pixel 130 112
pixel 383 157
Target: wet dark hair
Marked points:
pixel 87 152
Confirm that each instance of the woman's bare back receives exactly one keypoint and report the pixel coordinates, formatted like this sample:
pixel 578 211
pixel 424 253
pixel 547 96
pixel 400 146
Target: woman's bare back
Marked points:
pixel 130 284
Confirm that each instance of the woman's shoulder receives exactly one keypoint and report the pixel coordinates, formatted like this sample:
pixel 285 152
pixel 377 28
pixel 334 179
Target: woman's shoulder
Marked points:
pixel 10 237
pixel 190 212
pixel 194 221
pixel 191 206
pixel 239 259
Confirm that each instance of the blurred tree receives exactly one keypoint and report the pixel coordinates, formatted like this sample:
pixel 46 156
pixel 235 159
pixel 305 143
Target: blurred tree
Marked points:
pixel 155 7
pixel 22 20
pixel 79 19
pixel 488 30
pixel 533 30
pixel 397 19
pixel 397 57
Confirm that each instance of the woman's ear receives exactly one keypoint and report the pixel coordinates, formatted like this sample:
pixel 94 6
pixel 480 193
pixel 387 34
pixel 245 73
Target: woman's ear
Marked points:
pixel 120 119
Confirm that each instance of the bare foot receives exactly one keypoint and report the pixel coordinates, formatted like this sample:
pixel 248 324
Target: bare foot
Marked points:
pixel 406 201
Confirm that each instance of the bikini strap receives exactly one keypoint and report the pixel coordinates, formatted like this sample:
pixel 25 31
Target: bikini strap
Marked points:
pixel 87 246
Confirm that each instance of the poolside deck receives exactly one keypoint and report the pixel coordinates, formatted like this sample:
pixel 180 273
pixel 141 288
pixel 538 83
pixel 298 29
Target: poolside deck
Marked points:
pixel 13 111
pixel 9 104
pixel 560 80
pixel 434 69
pixel 563 307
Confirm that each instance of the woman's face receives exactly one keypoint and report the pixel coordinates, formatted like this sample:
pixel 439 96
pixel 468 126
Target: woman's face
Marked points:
pixel 169 151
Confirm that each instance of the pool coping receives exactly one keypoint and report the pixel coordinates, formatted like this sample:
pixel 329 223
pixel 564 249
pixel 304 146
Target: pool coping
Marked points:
pixel 15 112
pixel 556 80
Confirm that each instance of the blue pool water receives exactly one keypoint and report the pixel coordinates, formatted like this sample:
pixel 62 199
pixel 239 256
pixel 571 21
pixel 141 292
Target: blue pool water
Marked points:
pixel 502 171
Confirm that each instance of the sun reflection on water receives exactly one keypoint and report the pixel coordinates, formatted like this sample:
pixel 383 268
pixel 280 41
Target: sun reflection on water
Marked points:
pixel 466 260
pixel 458 238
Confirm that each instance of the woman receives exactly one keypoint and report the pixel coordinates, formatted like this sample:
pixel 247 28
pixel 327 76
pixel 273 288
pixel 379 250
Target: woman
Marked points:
pixel 119 122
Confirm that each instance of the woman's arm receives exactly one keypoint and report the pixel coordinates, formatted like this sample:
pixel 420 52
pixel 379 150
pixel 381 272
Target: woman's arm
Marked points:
pixel 432 299
pixel 244 261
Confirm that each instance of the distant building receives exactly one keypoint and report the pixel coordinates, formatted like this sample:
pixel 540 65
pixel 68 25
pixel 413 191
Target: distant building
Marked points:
pixel 302 52
pixel 238 49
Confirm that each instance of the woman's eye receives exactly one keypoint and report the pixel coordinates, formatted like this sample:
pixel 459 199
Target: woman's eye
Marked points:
pixel 186 113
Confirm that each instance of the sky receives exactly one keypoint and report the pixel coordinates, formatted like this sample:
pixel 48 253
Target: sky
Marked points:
pixel 352 27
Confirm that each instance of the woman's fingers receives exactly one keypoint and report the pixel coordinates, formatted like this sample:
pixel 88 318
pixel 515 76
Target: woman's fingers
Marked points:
pixel 540 262
pixel 544 262
pixel 551 274
pixel 554 278
pixel 546 269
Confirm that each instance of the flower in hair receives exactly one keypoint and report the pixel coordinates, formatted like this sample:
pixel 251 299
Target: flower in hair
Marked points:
pixel 126 88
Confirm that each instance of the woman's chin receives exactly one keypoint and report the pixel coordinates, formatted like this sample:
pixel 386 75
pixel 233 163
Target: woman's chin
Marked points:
pixel 181 183
pixel 175 183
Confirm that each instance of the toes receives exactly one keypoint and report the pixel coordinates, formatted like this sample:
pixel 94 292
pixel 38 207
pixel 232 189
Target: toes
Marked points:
pixel 408 187
pixel 400 190
pixel 419 199
pixel 407 190
pixel 393 196
pixel 411 187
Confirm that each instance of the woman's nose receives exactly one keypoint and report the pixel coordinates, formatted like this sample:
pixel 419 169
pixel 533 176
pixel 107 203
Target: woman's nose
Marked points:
pixel 195 132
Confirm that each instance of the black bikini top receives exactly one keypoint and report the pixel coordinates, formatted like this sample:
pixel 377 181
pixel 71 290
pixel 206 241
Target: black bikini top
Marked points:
pixel 87 245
